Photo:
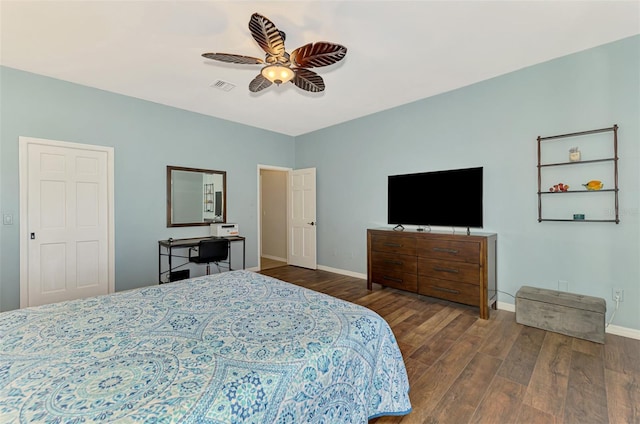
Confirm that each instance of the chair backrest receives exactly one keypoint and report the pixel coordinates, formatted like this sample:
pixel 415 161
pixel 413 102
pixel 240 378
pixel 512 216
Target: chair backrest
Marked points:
pixel 213 250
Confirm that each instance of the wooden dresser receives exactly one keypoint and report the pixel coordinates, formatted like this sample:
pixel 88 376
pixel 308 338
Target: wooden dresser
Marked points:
pixel 456 267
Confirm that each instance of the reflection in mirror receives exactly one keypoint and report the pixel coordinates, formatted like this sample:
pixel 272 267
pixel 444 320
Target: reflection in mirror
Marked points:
pixel 195 196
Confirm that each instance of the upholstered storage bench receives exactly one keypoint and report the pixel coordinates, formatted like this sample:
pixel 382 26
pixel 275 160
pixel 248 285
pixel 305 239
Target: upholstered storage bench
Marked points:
pixel 561 312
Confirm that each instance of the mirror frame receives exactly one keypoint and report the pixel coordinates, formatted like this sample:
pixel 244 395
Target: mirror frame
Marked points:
pixel 170 169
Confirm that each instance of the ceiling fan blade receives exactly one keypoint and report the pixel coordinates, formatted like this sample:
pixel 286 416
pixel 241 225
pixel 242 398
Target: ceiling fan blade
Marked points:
pixel 233 58
pixel 308 80
pixel 259 83
pixel 268 37
pixel 318 54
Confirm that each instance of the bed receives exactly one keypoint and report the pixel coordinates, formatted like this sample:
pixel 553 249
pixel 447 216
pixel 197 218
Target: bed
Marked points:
pixel 236 347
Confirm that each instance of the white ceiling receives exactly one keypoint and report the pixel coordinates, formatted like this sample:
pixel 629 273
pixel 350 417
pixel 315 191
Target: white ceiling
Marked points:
pixel 398 51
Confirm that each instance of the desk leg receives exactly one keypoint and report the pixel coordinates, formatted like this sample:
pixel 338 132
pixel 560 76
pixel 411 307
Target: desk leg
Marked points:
pixel 170 251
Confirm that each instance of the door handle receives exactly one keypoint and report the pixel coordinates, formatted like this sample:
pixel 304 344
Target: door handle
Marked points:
pixel 311 223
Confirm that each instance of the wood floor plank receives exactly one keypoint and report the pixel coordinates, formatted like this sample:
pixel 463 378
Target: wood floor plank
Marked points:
pixel 415 369
pixel 418 327
pixel 399 315
pixel 389 420
pixel 391 305
pixel 531 415
pixel 430 387
pixel 437 322
pixel 622 354
pixel 586 393
pixel 502 339
pixel 439 343
pixel 623 396
pixel 521 359
pixel 547 388
pixel 587 347
pixel 501 404
pixel 461 400
pixel 464 369
pixel 484 327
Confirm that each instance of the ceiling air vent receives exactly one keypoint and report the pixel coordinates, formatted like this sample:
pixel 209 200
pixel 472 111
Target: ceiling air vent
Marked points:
pixel 223 85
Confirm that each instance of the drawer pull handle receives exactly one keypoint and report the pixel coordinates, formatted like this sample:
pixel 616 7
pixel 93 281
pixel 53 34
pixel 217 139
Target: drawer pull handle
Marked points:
pixel 393 244
pixel 446 290
pixel 389 261
pixel 443 250
pixel 397 280
pixel 451 270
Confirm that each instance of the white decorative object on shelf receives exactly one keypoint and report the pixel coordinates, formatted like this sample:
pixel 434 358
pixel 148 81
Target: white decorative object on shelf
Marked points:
pixel 574 154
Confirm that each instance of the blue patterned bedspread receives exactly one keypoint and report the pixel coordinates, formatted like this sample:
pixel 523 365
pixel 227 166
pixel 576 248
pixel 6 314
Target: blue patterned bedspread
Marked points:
pixel 236 347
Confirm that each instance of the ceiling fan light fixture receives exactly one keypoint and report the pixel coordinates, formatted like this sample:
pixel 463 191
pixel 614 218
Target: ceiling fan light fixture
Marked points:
pixel 277 74
pixel 279 66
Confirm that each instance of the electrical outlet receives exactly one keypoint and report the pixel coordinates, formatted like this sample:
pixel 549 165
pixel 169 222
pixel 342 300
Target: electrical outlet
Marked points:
pixel 619 293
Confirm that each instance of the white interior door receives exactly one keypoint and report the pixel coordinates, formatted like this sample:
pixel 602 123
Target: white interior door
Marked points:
pixel 66 221
pixel 302 218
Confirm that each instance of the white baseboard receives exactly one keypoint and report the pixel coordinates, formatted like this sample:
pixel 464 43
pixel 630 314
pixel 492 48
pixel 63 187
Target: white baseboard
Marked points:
pixel 342 272
pixel 503 306
pixel 623 331
pixel 275 258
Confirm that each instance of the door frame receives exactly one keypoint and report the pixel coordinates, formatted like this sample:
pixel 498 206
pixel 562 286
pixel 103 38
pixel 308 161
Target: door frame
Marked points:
pixel 23 160
pixel 259 203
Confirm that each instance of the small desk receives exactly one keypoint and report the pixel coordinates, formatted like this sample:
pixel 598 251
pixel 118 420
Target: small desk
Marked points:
pixel 170 244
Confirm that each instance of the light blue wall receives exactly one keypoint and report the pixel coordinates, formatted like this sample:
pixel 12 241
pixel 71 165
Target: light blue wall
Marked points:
pixel 494 124
pixel 146 138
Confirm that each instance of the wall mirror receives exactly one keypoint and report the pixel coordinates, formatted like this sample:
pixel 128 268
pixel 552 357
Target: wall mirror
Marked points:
pixel 195 196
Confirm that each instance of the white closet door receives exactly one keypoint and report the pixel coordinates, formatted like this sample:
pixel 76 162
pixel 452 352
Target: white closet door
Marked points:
pixel 67 214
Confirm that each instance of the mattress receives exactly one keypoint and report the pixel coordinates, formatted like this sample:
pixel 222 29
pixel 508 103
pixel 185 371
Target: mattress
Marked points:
pixel 236 347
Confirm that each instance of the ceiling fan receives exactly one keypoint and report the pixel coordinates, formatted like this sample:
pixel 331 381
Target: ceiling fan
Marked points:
pixel 281 66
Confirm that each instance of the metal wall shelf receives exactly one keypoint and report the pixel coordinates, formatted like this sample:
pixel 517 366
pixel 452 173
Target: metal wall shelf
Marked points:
pixel 614 160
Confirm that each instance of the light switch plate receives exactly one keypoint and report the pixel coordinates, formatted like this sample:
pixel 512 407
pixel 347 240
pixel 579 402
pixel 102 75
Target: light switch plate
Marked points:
pixel 7 219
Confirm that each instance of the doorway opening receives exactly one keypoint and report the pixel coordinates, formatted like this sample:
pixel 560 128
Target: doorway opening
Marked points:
pixel 272 216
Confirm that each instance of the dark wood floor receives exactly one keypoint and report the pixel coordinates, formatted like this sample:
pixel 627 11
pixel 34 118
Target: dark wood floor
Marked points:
pixel 463 369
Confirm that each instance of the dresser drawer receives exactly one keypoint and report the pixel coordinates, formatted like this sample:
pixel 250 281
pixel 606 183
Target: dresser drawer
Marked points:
pixel 450 250
pixel 393 244
pixel 395 278
pixel 449 270
pixel 469 294
pixel 393 262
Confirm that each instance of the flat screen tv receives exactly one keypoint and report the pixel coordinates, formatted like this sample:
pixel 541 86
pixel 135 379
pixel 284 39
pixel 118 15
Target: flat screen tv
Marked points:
pixel 451 198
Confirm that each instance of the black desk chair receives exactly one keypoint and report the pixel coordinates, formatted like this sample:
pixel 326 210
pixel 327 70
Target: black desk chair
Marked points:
pixel 210 251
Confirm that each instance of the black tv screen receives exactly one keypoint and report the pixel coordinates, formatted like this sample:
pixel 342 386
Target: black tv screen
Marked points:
pixel 441 198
